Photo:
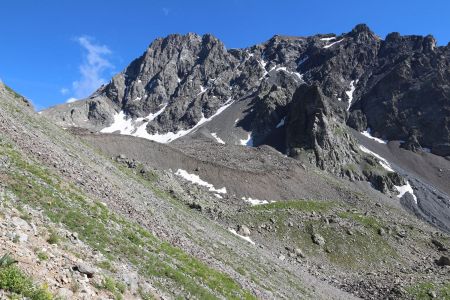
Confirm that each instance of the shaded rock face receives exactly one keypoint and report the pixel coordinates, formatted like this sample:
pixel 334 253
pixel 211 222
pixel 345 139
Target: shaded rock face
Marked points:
pixel 312 127
pixel 315 134
pixel 407 95
pixel 398 87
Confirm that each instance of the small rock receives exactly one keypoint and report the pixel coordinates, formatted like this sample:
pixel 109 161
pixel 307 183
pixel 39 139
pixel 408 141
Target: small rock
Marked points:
pixel 281 257
pixel 65 293
pixel 20 223
pixel 432 294
pixel 318 239
pixel 20 237
pixel 443 261
pixel 243 230
pixel 381 232
pixel 401 234
pixel 85 269
pixel 438 245
pixel 299 252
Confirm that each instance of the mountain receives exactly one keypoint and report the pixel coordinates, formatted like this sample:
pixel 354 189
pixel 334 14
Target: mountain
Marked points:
pixel 300 95
pixel 402 78
pixel 304 167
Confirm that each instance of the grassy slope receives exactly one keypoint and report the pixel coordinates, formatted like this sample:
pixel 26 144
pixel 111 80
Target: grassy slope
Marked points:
pixel 115 237
pixel 169 268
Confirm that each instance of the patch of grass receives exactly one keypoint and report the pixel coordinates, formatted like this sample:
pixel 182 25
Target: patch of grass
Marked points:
pixel 145 296
pixel 358 250
pixel 12 91
pixel 25 217
pixel 301 205
pixel 14 281
pixel 106 265
pixel 422 290
pixel 42 255
pixel 367 221
pixel 53 238
pixel 114 287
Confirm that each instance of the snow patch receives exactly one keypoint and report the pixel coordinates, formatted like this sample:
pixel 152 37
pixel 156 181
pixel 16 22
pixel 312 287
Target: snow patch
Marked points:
pixel 407 188
pixel 202 90
pixel 248 141
pixel 332 44
pixel 241 236
pixel 171 136
pixel 382 161
pixel 128 126
pixel 367 134
pixel 196 180
pixel 263 64
pixel 350 93
pixel 282 122
pixel 218 139
pixel 254 202
pixel 121 124
pixel 298 75
pixel 327 39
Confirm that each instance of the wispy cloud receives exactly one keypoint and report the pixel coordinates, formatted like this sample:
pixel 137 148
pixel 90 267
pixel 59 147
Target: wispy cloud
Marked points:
pixel 95 63
pixel 64 91
pixel 166 11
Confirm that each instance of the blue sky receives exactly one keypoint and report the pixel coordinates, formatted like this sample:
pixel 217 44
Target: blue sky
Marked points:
pixel 54 50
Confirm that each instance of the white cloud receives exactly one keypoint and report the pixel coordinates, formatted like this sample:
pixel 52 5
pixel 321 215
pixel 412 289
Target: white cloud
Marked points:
pixel 166 11
pixel 70 100
pixel 64 91
pixel 94 65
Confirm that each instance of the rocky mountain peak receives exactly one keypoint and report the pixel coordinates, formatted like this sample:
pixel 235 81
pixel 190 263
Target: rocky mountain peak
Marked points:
pixel 182 81
pixel 361 33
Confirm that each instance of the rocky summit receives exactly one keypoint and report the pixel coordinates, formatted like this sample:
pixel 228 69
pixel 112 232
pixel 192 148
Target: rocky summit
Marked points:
pixel 299 168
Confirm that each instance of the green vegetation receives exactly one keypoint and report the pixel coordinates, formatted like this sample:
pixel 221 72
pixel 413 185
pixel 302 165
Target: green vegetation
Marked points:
pixel 12 91
pixel 367 221
pixel 168 267
pixel 106 265
pixel 14 281
pixel 422 290
pixel 42 255
pixel 355 247
pixel 114 287
pixel 53 238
